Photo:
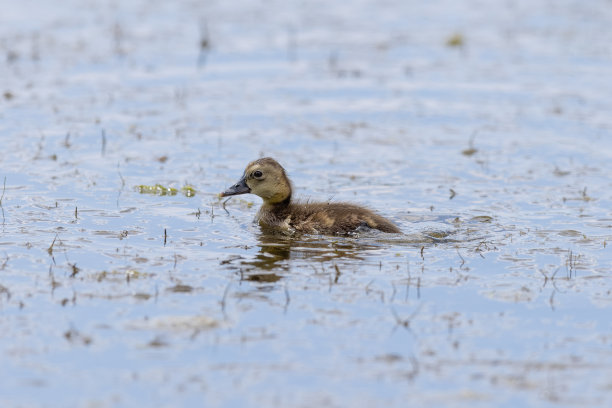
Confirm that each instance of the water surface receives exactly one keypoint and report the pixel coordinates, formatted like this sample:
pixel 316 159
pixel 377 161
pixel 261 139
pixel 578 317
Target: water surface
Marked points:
pixel 482 129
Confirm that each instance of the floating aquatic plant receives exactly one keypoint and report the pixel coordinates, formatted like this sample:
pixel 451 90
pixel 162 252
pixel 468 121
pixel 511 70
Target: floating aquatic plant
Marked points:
pixel 161 190
pixel 455 40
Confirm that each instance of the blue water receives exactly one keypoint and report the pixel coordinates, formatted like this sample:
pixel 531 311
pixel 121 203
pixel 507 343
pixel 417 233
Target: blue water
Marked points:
pixel 499 148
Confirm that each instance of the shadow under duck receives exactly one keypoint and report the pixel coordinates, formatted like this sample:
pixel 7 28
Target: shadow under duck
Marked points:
pixel 268 180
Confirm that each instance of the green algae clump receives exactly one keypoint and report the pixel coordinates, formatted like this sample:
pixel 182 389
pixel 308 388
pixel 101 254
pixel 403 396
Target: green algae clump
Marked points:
pixel 161 190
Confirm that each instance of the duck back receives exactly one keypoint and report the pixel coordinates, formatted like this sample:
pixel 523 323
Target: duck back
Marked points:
pixel 322 218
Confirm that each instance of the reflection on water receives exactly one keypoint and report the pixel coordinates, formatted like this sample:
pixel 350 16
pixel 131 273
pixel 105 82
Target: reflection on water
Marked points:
pixel 276 250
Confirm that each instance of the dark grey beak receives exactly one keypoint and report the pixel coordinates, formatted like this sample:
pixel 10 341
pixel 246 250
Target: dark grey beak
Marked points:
pixel 239 188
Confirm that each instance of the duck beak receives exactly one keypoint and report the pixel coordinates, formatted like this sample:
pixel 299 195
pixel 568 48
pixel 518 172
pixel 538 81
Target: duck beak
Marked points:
pixel 239 188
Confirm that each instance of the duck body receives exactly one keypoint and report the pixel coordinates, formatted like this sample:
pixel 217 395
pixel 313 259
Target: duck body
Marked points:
pixel 268 179
pixel 322 218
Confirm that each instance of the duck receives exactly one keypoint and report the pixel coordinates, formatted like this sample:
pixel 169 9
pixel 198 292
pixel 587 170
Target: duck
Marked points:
pixel 267 179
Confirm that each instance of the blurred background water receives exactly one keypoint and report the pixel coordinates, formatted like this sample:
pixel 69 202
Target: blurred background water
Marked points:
pixel 483 124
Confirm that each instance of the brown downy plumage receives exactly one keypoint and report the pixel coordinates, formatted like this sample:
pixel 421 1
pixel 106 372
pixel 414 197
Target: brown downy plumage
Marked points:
pixel 267 179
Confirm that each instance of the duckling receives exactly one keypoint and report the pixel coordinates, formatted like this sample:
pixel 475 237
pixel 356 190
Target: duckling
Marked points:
pixel 268 179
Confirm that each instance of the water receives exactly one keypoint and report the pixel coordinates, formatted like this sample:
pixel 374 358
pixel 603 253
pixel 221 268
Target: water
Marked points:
pixel 492 155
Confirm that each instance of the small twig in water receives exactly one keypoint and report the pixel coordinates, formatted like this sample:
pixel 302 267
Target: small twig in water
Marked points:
pixel 408 281
pixel 6 292
pixel 379 292
pixel 122 184
pixel 103 142
pixel 204 44
pixel 392 298
pixel 50 249
pixel 75 270
pixel 551 300
pixel 462 260
pixel 552 279
pixel 54 283
pixel 3 190
pixel 287 298
pixel 337 276
pixel 223 205
pixel 224 299
pixel 120 177
pixel 405 323
pixel 549 278
pixel 1 198
pixel 570 264
pixel 5 262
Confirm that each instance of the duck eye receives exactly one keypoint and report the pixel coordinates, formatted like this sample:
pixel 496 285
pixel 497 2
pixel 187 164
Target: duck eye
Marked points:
pixel 257 174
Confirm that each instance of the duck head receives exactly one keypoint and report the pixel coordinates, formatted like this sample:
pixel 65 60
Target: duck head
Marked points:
pixel 265 178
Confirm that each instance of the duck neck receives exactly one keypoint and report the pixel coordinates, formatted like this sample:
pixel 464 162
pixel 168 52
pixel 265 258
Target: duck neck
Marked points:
pixel 277 207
